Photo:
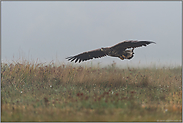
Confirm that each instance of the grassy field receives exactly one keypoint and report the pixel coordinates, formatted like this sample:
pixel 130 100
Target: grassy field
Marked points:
pixel 37 92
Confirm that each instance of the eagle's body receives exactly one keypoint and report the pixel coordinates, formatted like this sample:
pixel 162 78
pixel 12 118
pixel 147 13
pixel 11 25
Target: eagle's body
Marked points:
pixel 118 50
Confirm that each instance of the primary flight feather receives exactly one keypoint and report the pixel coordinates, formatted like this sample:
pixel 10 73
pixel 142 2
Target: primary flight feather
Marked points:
pixel 118 50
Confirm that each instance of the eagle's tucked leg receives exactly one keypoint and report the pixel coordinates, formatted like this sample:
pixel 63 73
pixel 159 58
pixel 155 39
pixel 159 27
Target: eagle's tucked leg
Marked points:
pixel 122 57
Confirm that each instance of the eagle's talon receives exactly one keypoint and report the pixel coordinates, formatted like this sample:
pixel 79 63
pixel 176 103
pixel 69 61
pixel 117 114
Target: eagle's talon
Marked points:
pixel 121 58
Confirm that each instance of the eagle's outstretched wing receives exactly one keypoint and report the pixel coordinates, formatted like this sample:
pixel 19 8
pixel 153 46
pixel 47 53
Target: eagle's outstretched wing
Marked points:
pixel 130 44
pixel 87 55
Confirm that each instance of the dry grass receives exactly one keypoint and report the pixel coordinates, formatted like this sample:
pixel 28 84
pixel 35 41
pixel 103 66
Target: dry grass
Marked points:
pixel 37 92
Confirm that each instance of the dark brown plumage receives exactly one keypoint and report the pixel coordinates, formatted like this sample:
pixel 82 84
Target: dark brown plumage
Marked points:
pixel 118 50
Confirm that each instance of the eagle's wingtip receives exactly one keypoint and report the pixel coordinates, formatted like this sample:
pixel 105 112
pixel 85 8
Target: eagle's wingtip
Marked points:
pixel 68 58
pixel 153 42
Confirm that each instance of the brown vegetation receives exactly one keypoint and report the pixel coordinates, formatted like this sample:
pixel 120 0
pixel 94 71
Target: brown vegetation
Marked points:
pixel 37 92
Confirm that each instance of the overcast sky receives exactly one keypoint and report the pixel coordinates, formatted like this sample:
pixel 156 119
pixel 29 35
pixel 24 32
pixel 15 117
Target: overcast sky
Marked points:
pixel 49 30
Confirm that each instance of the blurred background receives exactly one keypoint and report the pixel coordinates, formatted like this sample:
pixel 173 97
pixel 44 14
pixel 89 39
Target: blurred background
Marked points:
pixel 46 31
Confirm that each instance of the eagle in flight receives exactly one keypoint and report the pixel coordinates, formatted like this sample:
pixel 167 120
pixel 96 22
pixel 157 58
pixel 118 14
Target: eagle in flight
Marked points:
pixel 120 50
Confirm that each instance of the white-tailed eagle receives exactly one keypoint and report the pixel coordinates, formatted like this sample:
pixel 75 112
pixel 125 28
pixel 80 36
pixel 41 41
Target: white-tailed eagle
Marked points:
pixel 118 50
